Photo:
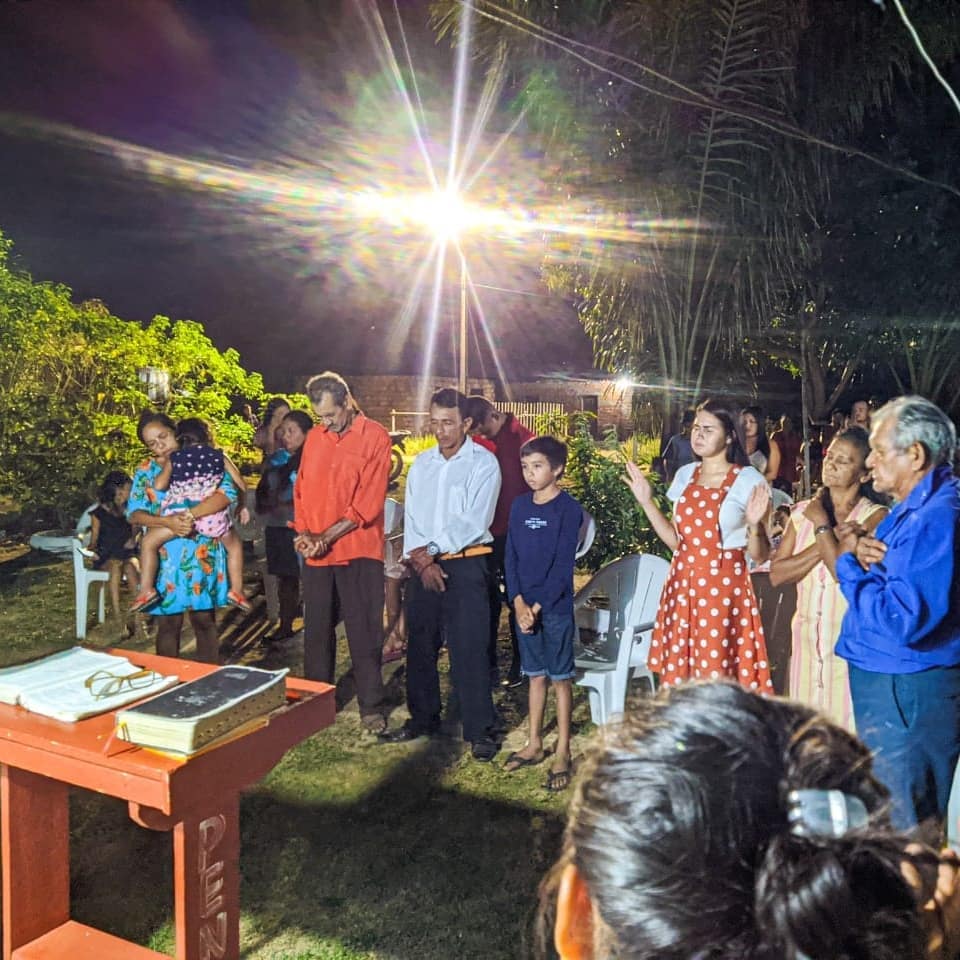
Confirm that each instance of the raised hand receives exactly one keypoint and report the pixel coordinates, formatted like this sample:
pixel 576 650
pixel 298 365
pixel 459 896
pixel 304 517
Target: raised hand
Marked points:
pixel 758 504
pixel 639 485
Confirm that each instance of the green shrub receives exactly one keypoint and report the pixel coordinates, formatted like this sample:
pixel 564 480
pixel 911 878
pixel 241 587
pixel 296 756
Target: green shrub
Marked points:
pixel 416 443
pixel 551 424
pixel 70 392
pixel 594 476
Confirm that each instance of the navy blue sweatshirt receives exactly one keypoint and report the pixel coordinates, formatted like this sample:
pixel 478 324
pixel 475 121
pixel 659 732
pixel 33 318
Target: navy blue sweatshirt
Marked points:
pixel 541 545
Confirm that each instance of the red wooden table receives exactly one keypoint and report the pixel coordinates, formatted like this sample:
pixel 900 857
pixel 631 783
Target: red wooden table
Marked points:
pixel 197 799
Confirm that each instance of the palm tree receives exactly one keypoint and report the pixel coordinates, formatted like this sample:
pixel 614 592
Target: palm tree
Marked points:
pixel 674 114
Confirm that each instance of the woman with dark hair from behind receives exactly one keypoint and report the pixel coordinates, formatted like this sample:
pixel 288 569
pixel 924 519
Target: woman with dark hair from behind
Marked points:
pixel 715 824
pixel 275 505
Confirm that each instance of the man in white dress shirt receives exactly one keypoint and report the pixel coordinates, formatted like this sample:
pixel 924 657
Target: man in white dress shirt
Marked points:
pixel 450 498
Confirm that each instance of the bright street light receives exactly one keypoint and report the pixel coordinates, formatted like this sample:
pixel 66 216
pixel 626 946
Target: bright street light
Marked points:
pixel 444 215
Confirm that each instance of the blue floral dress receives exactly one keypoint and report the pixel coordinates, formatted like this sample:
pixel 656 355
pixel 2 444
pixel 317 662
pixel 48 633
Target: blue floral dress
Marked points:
pixel 193 571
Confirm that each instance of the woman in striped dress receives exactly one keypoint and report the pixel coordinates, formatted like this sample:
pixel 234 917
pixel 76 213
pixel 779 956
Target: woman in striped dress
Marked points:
pixel 807 557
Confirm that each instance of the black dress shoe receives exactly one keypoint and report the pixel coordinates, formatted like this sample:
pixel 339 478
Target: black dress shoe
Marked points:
pixel 484 749
pixel 278 636
pixel 404 734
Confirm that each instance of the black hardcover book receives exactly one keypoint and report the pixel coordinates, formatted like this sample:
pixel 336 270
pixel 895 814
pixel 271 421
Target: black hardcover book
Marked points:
pixel 188 716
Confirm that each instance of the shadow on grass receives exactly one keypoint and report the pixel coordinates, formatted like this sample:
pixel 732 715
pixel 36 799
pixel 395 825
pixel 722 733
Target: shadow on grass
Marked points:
pixel 29 569
pixel 411 869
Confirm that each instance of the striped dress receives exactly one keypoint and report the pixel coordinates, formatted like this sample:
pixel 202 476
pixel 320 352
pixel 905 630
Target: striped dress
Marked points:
pixel 818 677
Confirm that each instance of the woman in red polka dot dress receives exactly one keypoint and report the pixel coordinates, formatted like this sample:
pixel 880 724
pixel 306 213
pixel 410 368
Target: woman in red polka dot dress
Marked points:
pixel 708 625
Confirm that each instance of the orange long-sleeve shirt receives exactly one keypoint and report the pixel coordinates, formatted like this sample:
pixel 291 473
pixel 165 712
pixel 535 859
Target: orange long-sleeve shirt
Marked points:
pixel 344 475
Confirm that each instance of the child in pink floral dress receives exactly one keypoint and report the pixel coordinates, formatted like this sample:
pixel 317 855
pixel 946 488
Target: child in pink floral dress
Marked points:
pixel 189 476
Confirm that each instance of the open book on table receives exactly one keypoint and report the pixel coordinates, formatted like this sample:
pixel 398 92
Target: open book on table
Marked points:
pixel 78 683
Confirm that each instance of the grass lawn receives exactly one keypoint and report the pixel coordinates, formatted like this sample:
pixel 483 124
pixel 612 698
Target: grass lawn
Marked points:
pixel 350 850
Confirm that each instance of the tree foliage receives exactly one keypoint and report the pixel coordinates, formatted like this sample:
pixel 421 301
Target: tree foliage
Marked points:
pixel 669 114
pixel 594 476
pixel 70 393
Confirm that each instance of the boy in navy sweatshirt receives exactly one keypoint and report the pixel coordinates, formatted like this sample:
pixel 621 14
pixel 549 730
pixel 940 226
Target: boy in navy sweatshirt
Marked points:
pixel 541 545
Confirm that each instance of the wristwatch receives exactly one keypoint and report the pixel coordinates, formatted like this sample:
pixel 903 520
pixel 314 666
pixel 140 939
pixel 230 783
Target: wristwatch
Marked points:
pixel 432 549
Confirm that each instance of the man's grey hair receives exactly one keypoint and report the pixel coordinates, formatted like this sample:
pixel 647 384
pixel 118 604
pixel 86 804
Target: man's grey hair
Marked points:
pixel 917 420
pixel 329 382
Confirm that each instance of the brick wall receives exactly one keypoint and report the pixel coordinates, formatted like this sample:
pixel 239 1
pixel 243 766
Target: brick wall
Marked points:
pixel 378 394
pixel 610 401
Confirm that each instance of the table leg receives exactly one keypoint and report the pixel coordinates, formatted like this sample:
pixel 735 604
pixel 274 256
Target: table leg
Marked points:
pixel 35 838
pixel 206 877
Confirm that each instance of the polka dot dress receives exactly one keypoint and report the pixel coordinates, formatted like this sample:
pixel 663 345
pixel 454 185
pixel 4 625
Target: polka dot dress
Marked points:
pixel 708 625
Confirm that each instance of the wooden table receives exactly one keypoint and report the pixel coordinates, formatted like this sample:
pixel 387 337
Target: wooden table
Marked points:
pixel 198 800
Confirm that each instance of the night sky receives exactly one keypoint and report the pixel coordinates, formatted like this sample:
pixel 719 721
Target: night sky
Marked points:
pixel 246 86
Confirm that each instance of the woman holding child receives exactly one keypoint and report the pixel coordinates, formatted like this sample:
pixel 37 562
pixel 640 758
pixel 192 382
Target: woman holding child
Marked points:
pixel 807 556
pixel 192 574
pixel 708 625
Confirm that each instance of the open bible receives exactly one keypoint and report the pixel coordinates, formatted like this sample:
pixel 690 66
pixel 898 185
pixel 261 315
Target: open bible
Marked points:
pixel 78 683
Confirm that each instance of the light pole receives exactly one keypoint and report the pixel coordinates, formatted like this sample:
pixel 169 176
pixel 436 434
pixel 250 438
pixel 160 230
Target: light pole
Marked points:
pixel 444 215
pixel 463 323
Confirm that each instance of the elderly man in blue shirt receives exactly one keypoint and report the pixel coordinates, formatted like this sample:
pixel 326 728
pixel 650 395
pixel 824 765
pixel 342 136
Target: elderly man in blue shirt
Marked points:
pixel 901 633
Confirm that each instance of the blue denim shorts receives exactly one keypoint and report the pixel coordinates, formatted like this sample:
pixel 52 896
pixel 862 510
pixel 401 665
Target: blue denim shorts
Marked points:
pixel 548 651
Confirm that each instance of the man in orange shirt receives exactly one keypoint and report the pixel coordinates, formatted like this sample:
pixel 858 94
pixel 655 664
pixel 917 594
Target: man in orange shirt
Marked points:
pixel 338 502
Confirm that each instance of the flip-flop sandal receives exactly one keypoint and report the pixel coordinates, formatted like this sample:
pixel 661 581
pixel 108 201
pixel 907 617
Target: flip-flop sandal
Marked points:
pixel 520 762
pixel 144 600
pixel 558 780
pixel 239 601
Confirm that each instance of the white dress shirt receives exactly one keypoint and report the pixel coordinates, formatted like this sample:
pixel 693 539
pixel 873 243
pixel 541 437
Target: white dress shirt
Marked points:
pixel 450 502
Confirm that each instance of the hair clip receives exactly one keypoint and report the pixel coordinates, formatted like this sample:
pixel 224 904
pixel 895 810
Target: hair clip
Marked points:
pixel 825 813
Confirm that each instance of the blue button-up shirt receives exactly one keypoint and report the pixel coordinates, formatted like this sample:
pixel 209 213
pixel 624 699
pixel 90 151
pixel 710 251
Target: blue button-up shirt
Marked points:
pixel 904 613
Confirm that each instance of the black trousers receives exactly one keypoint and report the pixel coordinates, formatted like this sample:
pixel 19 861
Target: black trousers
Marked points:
pixel 459 617
pixel 358 587
pixel 496 561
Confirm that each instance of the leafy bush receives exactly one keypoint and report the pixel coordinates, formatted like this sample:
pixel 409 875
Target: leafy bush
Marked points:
pixel 551 424
pixel 416 443
pixel 70 393
pixel 594 476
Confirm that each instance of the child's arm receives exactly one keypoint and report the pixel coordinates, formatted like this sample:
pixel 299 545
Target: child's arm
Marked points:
pixel 243 514
pixel 94 535
pixel 524 615
pixel 162 480
pixel 231 468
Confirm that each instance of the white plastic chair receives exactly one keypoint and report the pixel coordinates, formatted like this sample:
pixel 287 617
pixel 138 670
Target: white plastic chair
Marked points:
pixel 392 516
pixel 621 630
pixel 85 523
pixel 82 579
pixel 588 533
